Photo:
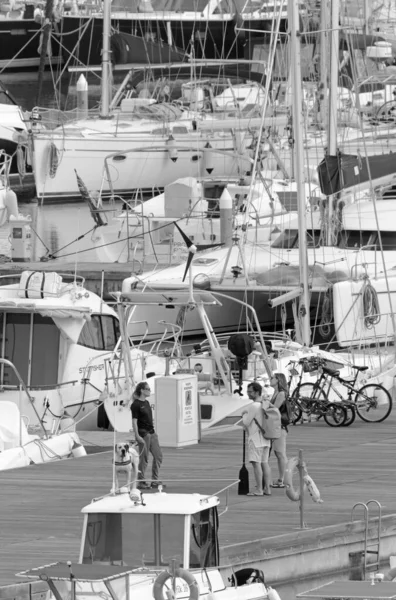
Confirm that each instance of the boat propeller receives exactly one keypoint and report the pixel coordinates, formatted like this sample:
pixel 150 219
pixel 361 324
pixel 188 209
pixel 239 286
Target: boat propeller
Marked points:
pixel 193 248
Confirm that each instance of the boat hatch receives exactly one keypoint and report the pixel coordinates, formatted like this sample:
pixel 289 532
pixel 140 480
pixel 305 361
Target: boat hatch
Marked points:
pixel 31 342
pixel 183 527
pixel 359 590
pixel 80 582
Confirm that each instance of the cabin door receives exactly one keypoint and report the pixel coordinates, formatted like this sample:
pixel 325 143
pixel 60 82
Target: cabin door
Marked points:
pixel 31 343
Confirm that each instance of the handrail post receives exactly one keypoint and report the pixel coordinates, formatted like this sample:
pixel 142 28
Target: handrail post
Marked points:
pixel 301 470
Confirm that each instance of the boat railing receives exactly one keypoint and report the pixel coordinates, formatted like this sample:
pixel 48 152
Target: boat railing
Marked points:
pixel 364 264
pixel 22 386
pixel 52 118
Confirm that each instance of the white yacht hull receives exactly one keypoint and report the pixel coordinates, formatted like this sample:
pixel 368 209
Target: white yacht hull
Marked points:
pixel 143 161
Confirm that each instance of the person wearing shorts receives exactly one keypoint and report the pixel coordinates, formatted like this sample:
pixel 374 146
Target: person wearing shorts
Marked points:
pixel 279 383
pixel 258 445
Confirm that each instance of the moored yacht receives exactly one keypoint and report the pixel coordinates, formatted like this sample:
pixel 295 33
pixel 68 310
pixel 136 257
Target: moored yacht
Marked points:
pixel 258 272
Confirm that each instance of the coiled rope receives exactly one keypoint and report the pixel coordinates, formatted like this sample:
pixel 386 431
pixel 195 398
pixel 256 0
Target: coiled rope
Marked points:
pixel 326 315
pixel 371 310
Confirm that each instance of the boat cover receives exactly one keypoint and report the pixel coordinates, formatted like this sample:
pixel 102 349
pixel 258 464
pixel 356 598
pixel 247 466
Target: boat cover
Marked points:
pixel 344 171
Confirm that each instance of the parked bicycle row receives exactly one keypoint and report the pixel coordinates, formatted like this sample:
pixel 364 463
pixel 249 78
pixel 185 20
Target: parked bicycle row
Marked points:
pixel 337 399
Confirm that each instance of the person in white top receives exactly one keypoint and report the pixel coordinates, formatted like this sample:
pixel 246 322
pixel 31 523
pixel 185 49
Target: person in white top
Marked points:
pixel 258 446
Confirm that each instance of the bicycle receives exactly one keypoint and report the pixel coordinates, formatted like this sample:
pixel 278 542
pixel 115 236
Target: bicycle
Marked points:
pixel 372 402
pixel 309 399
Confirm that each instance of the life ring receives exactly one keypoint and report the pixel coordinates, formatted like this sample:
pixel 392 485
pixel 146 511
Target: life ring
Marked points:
pixel 180 573
pixel 292 493
pixel 309 483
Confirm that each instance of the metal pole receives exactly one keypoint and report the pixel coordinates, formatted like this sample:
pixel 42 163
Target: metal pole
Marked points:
pixel 301 476
pixel 106 63
pixel 333 94
pixel 323 62
pixel 298 152
pixel 45 38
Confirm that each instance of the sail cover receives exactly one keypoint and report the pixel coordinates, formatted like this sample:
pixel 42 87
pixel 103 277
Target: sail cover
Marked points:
pixel 344 171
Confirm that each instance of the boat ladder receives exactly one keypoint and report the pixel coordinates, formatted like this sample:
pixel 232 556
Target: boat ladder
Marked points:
pixel 370 547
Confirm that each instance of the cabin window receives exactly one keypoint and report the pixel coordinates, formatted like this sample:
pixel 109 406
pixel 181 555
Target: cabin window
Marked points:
pixel 286 240
pixel 31 343
pixel 204 548
pixel 354 239
pixel 134 540
pixel 45 352
pixel 101 332
pixel 289 239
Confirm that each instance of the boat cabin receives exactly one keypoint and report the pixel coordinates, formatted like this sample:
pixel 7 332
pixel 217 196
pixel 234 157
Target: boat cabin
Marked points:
pixel 150 533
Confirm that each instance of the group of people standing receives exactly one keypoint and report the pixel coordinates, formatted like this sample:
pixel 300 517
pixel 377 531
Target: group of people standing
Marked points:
pixel 259 447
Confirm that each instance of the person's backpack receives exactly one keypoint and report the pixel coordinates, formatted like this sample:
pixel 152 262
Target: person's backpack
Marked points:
pixel 271 428
pixel 286 412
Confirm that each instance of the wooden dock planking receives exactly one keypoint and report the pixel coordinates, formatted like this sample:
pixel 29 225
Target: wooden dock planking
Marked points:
pixel 40 520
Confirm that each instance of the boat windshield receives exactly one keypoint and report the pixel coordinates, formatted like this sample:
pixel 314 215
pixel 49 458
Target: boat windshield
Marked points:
pixel 369 239
pixel 134 540
pixel 289 239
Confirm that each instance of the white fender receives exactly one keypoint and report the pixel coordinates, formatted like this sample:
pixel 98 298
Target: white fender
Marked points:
pixel 312 489
pixel 272 594
pixel 390 575
pixel 11 203
pixel 209 158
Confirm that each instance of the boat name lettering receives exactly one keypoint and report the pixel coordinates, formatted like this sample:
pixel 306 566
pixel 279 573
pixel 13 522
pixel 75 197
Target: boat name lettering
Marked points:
pixel 92 368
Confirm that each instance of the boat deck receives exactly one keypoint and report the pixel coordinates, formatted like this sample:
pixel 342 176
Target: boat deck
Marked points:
pixel 40 519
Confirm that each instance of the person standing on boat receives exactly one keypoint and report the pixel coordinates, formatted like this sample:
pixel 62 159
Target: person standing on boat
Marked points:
pixel 279 383
pixel 258 445
pixel 143 427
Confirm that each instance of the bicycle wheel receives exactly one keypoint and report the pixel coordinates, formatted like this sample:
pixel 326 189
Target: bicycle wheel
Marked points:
pixel 373 403
pixel 335 415
pixel 304 394
pixel 296 411
pixel 351 414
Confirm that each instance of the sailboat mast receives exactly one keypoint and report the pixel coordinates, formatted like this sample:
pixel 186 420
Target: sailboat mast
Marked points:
pixel 333 91
pixel 106 60
pixel 323 62
pixel 298 150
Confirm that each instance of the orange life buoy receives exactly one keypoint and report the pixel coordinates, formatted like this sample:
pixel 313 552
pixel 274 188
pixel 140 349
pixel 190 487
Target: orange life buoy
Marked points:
pixel 291 492
pixel 180 573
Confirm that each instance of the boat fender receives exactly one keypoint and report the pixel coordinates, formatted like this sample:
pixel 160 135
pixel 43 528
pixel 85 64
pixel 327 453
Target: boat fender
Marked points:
pixel 11 203
pixel 272 594
pixel 53 160
pixel 390 575
pixel 180 573
pixel 291 492
pixel 312 489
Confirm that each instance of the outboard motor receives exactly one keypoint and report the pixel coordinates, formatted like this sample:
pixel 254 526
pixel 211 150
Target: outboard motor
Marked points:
pixel 241 345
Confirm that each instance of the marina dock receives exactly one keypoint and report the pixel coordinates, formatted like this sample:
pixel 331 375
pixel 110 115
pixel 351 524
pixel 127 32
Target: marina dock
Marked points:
pixel 40 520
